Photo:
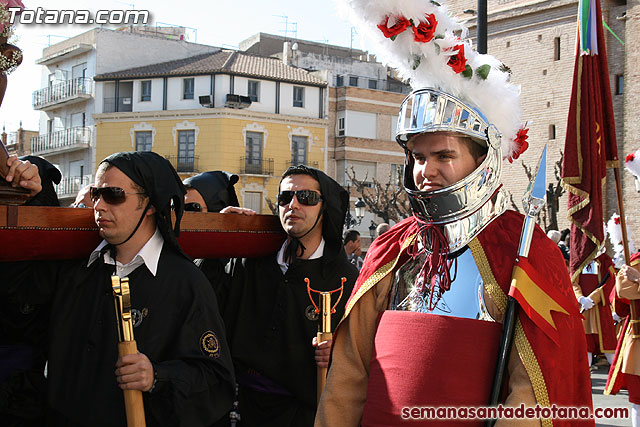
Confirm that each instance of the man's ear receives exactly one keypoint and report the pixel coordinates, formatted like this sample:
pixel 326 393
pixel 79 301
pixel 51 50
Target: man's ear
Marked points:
pixel 480 159
pixel 151 210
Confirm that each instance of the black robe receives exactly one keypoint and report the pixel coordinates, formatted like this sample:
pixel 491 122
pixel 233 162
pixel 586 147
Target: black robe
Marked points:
pixel 181 332
pixel 270 326
pixel 265 313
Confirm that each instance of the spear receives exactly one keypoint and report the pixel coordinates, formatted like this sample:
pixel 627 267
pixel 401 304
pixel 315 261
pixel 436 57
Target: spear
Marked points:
pixel 532 201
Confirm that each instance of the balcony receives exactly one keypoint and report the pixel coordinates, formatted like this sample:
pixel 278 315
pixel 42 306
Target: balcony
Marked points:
pixel 252 166
pixel 69 187
pixel 122 104
pixel 67 92
pixel 72 139
pixel 188 164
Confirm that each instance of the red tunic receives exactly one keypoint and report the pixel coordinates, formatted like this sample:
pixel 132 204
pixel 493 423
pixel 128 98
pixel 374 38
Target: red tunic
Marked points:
pixel 547 363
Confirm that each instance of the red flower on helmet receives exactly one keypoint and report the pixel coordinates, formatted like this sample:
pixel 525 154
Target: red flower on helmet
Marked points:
pixel 391 32
pixel 616 220
pixel 521 144
pixel 425 31
pixel 630 158
pixel 457 61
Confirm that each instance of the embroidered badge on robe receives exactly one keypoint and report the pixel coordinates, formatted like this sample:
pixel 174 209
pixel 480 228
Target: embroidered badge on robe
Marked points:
pixel 138 315
pixel 209 344
pixel 311 314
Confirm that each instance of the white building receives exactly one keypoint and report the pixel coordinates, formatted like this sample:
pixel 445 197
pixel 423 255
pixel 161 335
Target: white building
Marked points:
pixel 66 99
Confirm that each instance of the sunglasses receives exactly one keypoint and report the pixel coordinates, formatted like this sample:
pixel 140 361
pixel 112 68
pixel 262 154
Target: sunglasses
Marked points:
pixel 111 195
pixel 192 207
pixel 305 197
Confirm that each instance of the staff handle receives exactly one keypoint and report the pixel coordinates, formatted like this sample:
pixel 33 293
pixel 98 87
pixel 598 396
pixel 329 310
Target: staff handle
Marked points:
pixel 322 372
pixel 133 405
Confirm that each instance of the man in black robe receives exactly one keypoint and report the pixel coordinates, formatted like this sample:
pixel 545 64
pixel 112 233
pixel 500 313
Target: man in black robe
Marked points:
pixel 270 319
pixel 210 191
pixel 22 361
pixel 184 365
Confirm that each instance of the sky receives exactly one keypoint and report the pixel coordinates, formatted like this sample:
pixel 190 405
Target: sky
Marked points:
pixel 223 23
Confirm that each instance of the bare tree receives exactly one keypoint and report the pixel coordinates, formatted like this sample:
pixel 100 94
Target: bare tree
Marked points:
pixel 548 218
pixel 272 206
pixel 388 201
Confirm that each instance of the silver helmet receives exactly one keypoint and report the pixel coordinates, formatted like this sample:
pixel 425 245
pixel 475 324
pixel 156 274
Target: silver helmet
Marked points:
pixel 467 206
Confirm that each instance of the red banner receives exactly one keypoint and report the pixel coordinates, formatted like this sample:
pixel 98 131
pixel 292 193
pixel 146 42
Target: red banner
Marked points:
pixel 590 145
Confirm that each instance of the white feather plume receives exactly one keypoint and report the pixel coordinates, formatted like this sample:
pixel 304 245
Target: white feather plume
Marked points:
pixel 495 96
pixel 615 237
pixel 632 163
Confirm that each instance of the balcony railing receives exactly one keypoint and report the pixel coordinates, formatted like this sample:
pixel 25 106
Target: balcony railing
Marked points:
pixel 389 85
pixel 184 164
pixel 62 93
pixel 70 186
pixel 256 166
pixel 77 138
pixel 124 104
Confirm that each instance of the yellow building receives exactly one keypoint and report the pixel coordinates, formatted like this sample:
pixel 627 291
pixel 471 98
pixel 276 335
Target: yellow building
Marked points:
pixel 248 115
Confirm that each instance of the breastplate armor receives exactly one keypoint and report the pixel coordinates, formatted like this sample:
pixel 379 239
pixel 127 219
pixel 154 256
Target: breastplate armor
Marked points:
pixel 464 299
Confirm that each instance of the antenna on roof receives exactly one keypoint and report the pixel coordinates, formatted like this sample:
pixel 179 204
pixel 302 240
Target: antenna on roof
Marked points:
pixel 131 7
pixel 353 33
pixel 288 27
pixel 48 36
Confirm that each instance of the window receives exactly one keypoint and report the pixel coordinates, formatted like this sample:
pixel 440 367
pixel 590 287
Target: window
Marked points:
pixel 556 49
pixel 362 171
pixel 353 81
pixel 145 90
pixel 77 120
pixel 552 131
pixel 339 81
pixel 298 150
pixel 298 96
pixel 619 84
pixel 253 158
pixel 253 90
pixel 373 84
pixel 187 88
pixel 253 200
pixel 396 174
pixel 341 126
pixel 143 141
pixel 186 148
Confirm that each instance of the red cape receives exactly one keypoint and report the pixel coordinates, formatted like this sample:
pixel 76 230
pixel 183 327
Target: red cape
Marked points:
pixel 559 373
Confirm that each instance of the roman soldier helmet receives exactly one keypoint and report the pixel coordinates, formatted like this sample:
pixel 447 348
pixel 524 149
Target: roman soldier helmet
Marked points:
pixel 455 89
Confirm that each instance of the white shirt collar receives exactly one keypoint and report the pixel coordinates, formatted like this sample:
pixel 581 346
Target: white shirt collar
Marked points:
pixel 284 266
pixel 148 255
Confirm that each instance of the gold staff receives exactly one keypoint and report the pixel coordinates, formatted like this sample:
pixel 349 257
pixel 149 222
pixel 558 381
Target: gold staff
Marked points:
pixel 133 405
pixel 324 333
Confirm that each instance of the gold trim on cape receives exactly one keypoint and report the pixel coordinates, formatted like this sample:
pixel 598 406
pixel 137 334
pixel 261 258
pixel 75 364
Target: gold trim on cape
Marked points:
pixel 613 377
pixel 378 275
pixel 525 351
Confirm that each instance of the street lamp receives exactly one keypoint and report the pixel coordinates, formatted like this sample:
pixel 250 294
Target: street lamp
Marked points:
pixel 372 230
pixel 359 206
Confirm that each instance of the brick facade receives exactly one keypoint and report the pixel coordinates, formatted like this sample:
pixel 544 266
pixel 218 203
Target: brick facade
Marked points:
pixel 522 34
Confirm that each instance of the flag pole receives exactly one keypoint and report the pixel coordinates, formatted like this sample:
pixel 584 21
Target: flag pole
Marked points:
pixel 623 220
